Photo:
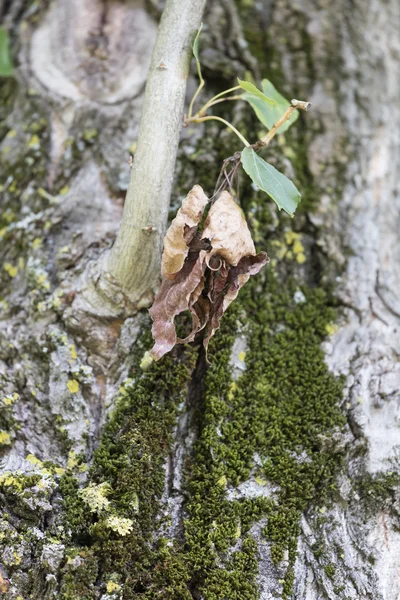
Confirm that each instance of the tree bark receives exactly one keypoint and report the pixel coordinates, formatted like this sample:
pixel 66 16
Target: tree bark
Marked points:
pixel 272 472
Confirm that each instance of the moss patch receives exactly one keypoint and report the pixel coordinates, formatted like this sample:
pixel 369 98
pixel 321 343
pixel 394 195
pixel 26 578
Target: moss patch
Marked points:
pixel 130 460
pixel 281 410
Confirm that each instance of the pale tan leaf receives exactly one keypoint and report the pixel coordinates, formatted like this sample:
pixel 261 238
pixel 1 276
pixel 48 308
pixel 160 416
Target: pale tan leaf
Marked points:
pixel 227 230
pixel 182 231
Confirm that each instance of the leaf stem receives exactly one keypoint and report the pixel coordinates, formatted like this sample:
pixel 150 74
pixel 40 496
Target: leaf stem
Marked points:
pixel 197 92
pixel 238 97
pixel 207 105
pixel 213 118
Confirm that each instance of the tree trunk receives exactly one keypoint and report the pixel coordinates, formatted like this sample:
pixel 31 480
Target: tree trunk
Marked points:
pixel 271 472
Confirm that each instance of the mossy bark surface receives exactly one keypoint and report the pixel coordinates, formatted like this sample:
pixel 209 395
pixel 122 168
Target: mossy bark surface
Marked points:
pixel 271 471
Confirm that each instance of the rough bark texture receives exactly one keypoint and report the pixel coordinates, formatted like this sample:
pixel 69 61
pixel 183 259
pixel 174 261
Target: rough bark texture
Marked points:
pixel 272 473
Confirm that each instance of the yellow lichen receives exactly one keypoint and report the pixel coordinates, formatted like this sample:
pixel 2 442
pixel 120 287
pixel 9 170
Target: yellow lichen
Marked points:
pixel 222 481
pixel 34 142
pixel 37 243
pixel 261 481
pixel 146 361
pixel 331 328
pixel 231 391
pixel 298 247
pixel 89 134
pixel 34 461
pixel 112 587
pixel 72 461
pixel 95 496
pixel 10 399
pixel 42 280
pixel 72 351
pixel 10 269
pixel 5 439
pixel 290 236
pixel 119 524
pixel 73 386
pixel 301 258
pixel 56 302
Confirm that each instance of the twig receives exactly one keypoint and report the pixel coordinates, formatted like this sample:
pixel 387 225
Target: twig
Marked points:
pixel 266 139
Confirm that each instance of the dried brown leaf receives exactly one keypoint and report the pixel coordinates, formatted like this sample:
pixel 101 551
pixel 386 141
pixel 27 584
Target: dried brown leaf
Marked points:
pixel 181 232
pixel 202 273
pixel 227 230
pixel 197 325
pixel 173 298
pixel 226 289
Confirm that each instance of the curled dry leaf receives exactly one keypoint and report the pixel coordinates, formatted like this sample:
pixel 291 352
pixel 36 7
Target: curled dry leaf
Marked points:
pixel 182 231
pixel 211 266
pixel 226 228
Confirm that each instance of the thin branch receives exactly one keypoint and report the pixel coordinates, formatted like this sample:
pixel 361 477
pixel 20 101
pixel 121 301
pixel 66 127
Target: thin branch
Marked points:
pixel 207 105
pixel 133 265
pixel 266 139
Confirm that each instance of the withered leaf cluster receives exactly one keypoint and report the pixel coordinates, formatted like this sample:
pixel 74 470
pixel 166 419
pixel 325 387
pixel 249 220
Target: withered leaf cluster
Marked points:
pixel 202 271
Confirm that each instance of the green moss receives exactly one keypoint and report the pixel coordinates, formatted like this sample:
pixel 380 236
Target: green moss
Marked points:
pixel 130 460
pixel 377 492
pixel 79 574
pixel 281 408
pixel 16 483
pixel 330 571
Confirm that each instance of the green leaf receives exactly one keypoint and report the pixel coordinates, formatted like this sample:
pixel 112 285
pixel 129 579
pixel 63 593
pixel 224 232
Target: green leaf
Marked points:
pixel 6 68
pixel 251 88
pixel 270 115
pixel 195 48
pixel 278 186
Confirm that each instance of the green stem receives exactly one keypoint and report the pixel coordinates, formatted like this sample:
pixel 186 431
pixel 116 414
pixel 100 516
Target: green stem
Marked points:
pixel 197 92
pixel 239 97
pixel 212 118
pixel 208 103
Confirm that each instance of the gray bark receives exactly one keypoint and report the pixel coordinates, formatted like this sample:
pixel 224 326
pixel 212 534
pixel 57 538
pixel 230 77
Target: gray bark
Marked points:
pixel 66 135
